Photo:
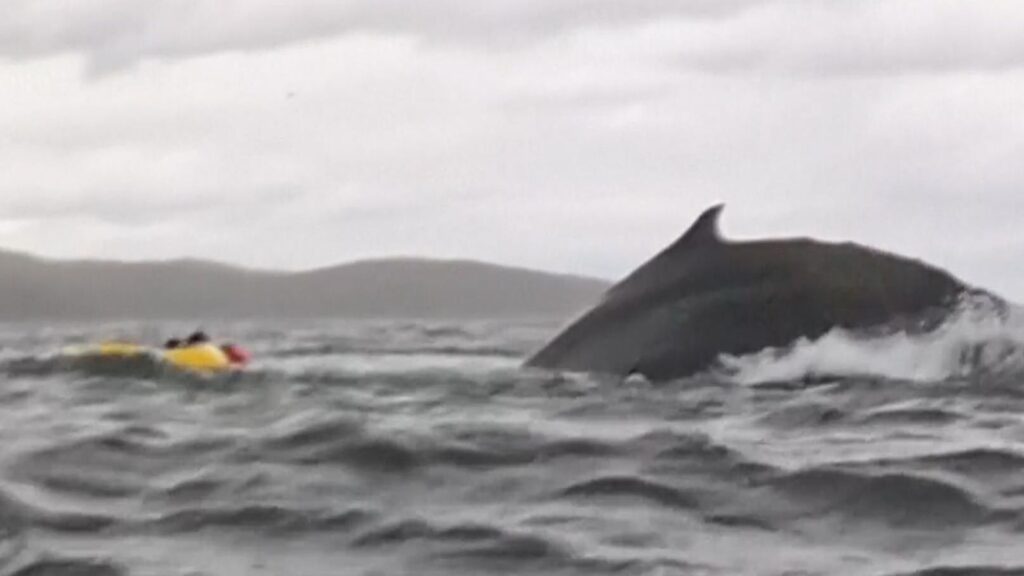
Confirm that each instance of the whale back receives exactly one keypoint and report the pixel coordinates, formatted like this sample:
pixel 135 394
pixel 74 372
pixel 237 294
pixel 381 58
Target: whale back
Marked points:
pixel 703 296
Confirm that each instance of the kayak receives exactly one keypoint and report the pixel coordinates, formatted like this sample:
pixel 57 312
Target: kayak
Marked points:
pixel 205 358
pixel 201 357
pixel 113 349
pixel 117 349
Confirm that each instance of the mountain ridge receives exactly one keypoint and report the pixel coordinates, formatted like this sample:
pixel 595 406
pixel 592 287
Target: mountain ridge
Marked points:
pixel 34 287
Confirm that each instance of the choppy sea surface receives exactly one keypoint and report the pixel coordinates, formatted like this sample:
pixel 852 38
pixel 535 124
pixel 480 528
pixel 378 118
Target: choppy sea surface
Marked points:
pixel 381 448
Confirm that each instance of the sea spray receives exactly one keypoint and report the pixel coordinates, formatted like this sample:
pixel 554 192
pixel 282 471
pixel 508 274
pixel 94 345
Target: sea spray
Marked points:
pixel 982 336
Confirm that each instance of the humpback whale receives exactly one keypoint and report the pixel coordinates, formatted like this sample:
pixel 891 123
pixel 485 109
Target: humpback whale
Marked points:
pixel 704 296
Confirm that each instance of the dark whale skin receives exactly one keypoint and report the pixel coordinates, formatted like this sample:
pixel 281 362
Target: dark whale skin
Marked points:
pixel 704 296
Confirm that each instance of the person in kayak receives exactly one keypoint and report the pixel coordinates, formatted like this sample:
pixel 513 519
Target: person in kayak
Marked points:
pixel 197 337
pixel 235 354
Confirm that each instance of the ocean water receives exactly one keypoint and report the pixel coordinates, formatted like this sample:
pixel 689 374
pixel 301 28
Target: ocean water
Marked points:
pixel 383 448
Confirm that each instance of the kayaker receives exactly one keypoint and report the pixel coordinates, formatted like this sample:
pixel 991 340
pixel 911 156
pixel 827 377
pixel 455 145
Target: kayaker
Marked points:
pixel 197 337
pixel 172 344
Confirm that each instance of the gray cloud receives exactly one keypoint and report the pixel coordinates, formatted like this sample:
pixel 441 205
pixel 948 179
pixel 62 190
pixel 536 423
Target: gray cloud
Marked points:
pixel 586 146
pixel 718 36
pixel 871 37
pixel 114 33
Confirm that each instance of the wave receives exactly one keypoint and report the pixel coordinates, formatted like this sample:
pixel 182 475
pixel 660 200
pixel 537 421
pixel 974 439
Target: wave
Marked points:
pixel 895 498
pixel 405 339
pixel 267 519
pixel 345 442
pixel 316 350
pixel 401 531
pixel 41 366
pixel 980 338
pixel 999 470
pixel 18 516
pixel 69 567
pixel 681 454
pixel 911 415
pixel 967 570
pixel 486 547
pixel 973 461
pixel 116 464
pixel 631 487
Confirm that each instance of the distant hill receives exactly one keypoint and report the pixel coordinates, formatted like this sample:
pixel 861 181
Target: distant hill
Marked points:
pixel 37 288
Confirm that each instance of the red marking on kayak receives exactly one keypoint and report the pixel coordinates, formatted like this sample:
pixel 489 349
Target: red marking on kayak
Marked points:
pixel 236 354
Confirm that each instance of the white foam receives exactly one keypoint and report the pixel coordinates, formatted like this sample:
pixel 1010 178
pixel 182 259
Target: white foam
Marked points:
pixel 978 338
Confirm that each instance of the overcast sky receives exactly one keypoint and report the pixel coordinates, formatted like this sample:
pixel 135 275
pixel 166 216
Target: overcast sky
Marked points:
pixel 568 135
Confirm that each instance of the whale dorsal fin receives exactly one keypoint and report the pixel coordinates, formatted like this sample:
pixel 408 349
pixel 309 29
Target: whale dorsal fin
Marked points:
pixel 703 232
pixel 665 266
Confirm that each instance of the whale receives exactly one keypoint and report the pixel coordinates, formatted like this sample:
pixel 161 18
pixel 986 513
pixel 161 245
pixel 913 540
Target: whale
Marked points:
pixel 705 296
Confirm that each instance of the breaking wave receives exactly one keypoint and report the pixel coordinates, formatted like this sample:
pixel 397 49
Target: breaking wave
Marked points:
pixel 981 337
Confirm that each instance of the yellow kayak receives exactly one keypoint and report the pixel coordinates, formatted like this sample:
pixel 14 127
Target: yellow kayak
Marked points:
pixel 201 357
pixel 119 349
pixel 198 357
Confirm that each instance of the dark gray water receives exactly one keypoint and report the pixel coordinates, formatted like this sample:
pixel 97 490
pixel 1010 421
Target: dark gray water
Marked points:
pixel 422 448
